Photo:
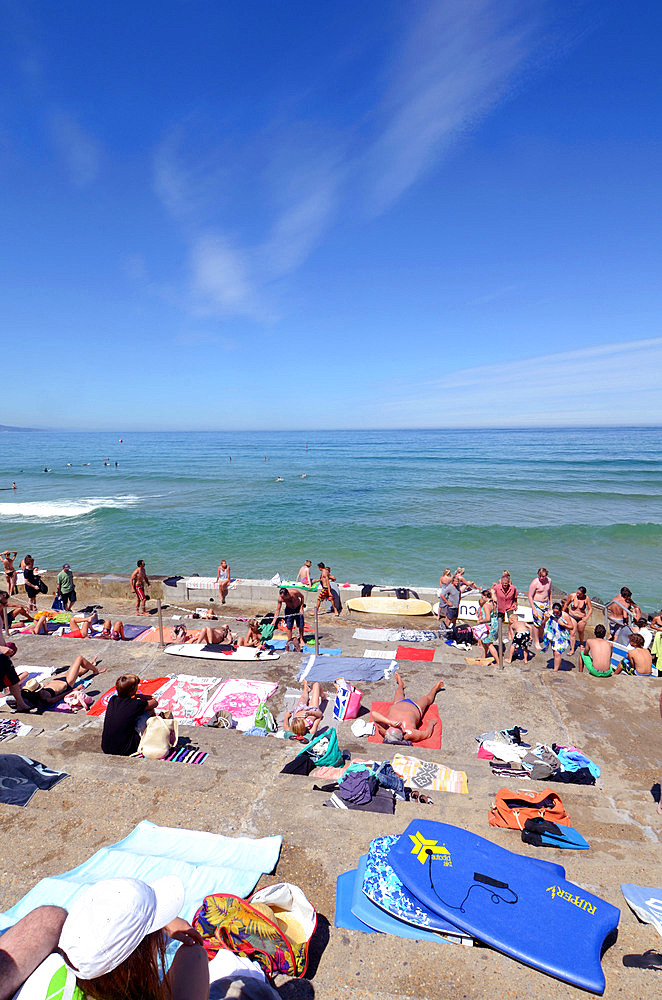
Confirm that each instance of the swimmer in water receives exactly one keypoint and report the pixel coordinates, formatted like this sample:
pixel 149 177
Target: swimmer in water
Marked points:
pixel 303 475
pixel 279 479
pixel 13 486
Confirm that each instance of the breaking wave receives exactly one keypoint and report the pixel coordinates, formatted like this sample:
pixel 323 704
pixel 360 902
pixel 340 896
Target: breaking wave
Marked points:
pixel 47 510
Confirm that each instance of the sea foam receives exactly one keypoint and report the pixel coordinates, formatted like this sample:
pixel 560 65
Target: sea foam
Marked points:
pixel 46 510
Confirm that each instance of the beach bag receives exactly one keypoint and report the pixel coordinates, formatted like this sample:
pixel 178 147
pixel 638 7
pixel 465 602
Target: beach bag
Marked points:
pixel 321 751
pixel 273 927
pixel 159 738
pixel 464 633
pixel 348 701
pixel 43 589
pixel 58 603
pixel 512 809
pixel 264 718
pixel 221 719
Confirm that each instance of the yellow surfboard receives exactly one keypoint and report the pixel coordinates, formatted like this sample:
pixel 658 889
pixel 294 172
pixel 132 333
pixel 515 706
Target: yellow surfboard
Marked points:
pixel 389 606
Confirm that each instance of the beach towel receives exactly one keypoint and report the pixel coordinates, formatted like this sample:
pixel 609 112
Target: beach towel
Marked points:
pixel 398 634
pixel 428 776
pixel 9 728
pixel 354 668
pixel 185 695
pixel 374 634
pixel 411 653
pixel 240 698
pixel 152 634
pixel 432 715
pixel 149 687
pixel 204 862
pixel 379 654
pixel 21 777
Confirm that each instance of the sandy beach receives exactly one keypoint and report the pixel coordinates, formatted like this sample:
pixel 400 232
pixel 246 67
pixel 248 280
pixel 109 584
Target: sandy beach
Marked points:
pixel 239 791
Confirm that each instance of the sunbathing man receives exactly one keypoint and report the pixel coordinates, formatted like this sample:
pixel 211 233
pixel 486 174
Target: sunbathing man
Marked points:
pixel 597 650
pixel 639 659
pixel 10 572
pixel 79 628
pixel 40 696
pixel 405 716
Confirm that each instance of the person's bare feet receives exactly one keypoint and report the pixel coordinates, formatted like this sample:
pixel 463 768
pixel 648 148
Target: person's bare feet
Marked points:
pixel 398 679
pixel 439 686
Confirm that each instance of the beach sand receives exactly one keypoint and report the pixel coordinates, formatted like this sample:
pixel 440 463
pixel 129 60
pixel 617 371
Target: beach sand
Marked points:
pixel 239 791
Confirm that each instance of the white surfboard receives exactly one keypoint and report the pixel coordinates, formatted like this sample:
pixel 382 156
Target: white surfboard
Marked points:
pixel 204 651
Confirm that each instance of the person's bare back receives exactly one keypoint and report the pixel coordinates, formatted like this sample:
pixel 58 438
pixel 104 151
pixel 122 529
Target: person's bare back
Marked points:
pixel 600 652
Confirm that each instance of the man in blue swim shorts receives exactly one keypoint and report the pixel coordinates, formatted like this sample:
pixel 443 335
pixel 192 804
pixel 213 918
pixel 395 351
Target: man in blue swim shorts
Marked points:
pixel 404 718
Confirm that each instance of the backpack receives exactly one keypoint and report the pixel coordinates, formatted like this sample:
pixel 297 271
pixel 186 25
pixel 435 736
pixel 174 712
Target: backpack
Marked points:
pixel 463 633
pixel 512 809
pixel 273 927
pixel 159 738
pixel 264 718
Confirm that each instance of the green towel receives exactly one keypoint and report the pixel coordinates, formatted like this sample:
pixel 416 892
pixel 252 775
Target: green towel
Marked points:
pixel 267 631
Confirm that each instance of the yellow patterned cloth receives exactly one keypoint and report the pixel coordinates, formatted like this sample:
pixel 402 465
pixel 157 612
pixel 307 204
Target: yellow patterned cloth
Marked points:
pixel 428 776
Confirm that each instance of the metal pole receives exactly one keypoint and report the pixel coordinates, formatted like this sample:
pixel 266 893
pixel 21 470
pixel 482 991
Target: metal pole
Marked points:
pixel 317 630
pixel 499 643
pixel 158 605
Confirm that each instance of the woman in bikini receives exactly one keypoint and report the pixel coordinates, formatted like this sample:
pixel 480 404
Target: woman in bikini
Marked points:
pixel 10 572
pixel 40 696
pixel 307 715
pixel 580 609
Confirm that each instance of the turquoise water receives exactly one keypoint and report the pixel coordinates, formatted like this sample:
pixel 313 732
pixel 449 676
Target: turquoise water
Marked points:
pixel 377 506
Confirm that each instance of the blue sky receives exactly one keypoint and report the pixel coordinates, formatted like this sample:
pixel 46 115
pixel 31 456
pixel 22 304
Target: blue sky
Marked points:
pixel 306 214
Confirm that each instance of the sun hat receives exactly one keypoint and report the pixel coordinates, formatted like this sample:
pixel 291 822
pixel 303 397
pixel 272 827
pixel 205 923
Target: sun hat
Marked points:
pixel 109 920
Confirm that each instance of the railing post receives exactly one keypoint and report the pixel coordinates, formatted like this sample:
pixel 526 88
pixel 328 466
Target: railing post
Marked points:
pixel 158 605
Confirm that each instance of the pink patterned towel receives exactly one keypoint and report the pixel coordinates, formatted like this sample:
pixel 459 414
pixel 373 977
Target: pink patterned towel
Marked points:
pixel 240 698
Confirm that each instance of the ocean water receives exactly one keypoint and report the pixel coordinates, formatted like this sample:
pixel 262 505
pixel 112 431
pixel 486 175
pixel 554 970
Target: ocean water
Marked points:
pixel 377 506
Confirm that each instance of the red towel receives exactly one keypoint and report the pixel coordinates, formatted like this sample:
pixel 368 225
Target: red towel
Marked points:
pixel 433 743
pixel 413 653
pixel 484 755
pixel 145 687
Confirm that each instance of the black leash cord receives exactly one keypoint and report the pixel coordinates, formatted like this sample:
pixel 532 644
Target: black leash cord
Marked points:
pixel 480 882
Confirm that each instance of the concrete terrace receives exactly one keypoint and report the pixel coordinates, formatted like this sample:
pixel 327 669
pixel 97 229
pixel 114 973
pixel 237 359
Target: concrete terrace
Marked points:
pixel 239 791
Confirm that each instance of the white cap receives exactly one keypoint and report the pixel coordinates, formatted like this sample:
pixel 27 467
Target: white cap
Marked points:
pixel 109 920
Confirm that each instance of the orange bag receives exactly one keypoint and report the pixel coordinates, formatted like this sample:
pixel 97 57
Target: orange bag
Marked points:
pixel 512 809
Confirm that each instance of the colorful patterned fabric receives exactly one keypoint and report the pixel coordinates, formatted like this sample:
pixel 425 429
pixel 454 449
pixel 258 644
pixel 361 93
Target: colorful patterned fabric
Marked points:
pixel 240 698
pixel 383 887
pixel 426 775
pixel 185 696
pixel 556 636
pixel 232 923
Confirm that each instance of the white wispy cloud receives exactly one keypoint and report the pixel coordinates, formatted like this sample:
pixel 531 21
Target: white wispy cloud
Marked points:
pixel 460 59
pixel 457 60
pixel 80 152
pixel 607 383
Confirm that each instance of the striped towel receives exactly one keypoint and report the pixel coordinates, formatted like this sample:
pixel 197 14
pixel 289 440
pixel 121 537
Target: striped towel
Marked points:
pixel 426 775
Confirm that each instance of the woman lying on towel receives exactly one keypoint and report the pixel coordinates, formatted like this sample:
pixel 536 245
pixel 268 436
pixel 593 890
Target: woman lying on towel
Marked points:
pixel 112 630
pixel 39 696
pixel 307 715
pixel 207 635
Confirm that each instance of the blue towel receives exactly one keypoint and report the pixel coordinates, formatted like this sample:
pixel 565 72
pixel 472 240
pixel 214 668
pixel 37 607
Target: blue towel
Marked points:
pixel 352 668
pixel 205 862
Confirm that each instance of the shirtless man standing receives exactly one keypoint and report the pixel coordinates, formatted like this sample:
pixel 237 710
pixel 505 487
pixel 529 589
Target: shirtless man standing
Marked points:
pixel 540 596
pixel 140 580
pixel 598 650
pixel 292 603
pixel 326 593
pixel 10 572
pixel 405 716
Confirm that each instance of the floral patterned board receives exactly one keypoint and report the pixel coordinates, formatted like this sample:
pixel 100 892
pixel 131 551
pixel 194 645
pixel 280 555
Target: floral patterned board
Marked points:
pixel 383 887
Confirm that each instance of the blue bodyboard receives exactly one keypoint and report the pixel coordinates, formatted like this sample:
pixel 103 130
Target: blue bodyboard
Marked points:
pixel 343 915
pixel 383 888
pixel 513 903
pixel 378 919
